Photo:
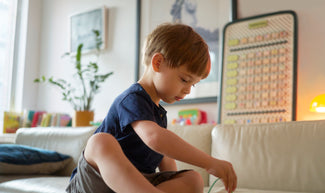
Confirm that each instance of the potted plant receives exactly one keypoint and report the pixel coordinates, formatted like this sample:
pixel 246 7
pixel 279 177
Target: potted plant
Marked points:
pixel 81 96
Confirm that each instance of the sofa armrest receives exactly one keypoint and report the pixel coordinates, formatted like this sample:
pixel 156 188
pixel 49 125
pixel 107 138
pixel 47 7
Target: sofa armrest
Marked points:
pixel 65 140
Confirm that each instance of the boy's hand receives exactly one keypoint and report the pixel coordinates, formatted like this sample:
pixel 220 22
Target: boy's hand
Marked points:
pixel 224 171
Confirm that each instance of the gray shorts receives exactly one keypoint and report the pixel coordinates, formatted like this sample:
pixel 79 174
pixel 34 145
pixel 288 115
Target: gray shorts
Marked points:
pixel 88 180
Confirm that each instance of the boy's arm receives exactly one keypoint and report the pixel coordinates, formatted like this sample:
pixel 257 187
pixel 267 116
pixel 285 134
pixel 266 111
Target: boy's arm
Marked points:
pixel 167 164
pixel 171 145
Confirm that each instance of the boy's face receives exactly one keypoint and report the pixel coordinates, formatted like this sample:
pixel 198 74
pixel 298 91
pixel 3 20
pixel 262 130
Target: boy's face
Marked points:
pixel 173 84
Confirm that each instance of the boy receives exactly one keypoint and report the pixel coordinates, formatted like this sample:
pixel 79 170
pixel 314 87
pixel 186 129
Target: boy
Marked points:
pixel 133 141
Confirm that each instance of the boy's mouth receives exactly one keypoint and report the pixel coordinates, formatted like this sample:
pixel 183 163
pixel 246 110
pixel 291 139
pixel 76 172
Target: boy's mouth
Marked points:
pixel 178 98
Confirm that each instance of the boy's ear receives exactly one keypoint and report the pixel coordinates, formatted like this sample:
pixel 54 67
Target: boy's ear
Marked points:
pixel 156 61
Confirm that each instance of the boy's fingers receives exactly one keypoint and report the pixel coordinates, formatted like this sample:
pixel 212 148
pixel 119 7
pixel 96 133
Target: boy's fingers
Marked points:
pixel 229 179
pixel 235 180
pixel 225 183
pixel 232 181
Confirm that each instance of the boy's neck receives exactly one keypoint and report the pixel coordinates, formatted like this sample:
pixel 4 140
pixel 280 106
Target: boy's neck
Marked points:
pixel 150 89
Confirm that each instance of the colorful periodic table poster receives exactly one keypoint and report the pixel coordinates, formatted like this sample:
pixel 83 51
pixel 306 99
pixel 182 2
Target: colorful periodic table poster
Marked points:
pixel 258 80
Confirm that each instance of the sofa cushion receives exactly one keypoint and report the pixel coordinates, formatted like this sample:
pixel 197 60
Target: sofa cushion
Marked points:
pixel 242 190
pixel 66 140
pixel 287 156
pixel 45 184
pixel 22 159
pixel 218 187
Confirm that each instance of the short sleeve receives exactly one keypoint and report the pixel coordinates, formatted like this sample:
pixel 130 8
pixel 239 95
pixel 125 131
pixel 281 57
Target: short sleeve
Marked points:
pixel 135 107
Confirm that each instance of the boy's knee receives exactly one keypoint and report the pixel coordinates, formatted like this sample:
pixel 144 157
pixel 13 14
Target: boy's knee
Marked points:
pixel 197 178
pixel 194 180
pixel 102 142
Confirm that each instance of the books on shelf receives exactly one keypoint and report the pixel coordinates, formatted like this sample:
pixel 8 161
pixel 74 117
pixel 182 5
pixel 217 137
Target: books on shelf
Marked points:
pixel 28 118
pixel 52 120
pixel 13 120
pixel 56 120
pixel 37 118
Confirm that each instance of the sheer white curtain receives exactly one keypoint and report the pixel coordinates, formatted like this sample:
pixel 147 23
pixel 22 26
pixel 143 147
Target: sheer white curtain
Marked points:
pixel 8 13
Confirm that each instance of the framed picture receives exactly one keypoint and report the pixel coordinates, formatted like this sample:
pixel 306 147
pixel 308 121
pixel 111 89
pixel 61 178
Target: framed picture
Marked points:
pixel 207 17
pixel 82 26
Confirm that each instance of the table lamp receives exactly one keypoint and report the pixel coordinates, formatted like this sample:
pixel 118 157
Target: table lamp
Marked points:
pixel 318 104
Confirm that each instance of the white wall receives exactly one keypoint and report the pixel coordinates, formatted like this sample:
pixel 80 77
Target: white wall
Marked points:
pixel 119 56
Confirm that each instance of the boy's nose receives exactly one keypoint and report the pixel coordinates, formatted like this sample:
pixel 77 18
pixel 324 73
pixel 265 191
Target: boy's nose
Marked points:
pixel 187 90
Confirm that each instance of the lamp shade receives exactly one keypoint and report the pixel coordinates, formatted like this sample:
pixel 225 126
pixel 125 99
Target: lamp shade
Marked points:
pixel 318 104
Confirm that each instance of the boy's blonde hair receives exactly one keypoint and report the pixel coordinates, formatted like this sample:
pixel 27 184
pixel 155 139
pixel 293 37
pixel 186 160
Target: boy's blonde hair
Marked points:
pixel 180 45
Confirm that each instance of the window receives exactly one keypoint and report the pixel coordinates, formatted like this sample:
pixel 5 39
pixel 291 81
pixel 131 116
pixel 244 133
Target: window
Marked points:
pixel 8 12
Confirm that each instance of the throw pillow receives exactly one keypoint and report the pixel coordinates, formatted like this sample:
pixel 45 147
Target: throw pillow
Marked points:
pixel 21 159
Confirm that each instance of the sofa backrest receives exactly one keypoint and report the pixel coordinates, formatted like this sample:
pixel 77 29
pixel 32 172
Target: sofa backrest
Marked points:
pixel 198 136
pixel 66 140
pixel 287 156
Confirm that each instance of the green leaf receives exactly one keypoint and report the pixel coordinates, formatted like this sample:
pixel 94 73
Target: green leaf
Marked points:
pixel 96 32
pixel 98 39
pixel 102 78
pixel 78 57
pixel 40 80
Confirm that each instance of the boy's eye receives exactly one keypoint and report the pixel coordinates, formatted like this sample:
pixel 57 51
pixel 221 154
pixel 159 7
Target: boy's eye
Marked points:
pixel 183 80
pixel 187 81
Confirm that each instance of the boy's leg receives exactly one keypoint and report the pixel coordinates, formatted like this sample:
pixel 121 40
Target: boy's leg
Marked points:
pixel 104 153
pixel 185 182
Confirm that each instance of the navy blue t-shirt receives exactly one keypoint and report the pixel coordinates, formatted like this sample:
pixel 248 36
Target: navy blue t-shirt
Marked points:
pixel 132 105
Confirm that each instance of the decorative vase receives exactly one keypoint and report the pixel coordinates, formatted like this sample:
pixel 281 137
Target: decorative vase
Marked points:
pixel 82 118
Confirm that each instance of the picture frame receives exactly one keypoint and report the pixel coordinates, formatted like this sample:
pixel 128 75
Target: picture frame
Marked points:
pixel 82 25
pixel 199 15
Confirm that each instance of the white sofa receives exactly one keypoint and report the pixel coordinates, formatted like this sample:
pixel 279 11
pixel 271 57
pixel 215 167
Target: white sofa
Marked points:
pixel 65 140
pixel 268 158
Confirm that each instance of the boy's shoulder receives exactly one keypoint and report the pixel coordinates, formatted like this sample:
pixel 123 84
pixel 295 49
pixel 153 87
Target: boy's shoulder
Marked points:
pixel 134 92
pixel 135 88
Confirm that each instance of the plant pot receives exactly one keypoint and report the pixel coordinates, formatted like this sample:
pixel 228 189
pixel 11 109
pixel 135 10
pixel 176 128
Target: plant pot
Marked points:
pixel 82 118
